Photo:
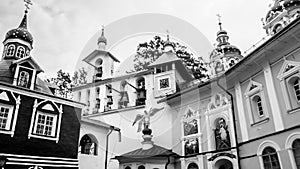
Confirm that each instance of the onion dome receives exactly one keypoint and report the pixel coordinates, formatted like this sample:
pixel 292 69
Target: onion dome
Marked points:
pixel 168 45
pixel 102 38
pixel 21 32
pixel 291 3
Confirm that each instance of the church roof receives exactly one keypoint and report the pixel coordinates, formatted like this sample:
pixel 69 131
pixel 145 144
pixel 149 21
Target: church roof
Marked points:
pixel 6 76
pixel 166 57
pixel 155 151
pixel 21 32
pixel 97 52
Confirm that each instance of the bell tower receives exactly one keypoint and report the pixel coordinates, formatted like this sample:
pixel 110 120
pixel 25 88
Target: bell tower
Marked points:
pixel 101 59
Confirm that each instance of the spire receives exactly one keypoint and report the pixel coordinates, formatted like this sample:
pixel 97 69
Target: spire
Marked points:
pixel 102 41
pixel 168 45
pixel 222 36
pixel 23 23
pixel 219 19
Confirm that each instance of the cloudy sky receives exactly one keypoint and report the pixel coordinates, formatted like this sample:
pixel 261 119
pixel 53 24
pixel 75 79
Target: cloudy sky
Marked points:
pixel 61 29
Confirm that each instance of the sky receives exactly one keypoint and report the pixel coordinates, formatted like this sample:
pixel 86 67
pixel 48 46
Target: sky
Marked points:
pixel 61 29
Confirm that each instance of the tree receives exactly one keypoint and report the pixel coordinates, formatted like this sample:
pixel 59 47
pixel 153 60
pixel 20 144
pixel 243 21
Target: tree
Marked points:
pixel 63 83
pixel 148 52
pixel 79 77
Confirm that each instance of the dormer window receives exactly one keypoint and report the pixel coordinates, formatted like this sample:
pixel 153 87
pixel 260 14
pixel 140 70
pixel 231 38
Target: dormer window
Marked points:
pixel 24 78
pixel 10 50
pixel 20 52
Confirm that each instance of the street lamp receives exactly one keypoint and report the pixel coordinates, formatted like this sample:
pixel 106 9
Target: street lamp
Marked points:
pixel 2 161
pixel 112 128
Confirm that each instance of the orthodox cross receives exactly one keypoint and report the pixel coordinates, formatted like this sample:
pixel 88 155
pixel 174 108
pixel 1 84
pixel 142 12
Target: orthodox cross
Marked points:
pixel 219 19
pixel 168 38
pixel 27 3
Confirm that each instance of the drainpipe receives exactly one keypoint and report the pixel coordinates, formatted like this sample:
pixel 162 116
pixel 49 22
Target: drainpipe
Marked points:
pixel 168 162
pixel 112 128
pixel 234 123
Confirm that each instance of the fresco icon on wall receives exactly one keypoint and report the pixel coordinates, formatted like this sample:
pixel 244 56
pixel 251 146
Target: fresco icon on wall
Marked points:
pixel 191 146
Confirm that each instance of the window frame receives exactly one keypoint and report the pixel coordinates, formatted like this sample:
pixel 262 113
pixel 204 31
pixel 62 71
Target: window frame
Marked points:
pixel 262 146
pixel 45 109
pixel 13 50
pixel 9 117
pixel 252 106
pixel 164 77
pixel 54 116
pixel 19 53
pixel 289 70
pixel 20 77
pixel 14 110
pixel 288 146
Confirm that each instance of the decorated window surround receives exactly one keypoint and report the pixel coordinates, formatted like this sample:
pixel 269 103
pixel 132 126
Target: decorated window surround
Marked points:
pixel 189 115
pixel 14 110
pixel 262 146
pixel 288 71
pixel 164 77
pixel 20 53
pixel 256 89
pixel 34 120
pixel 12 48
pixel 16 76
pixel 288 146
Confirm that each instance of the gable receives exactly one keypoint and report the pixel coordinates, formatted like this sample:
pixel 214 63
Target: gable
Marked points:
pixel 28 62
pixel 288 67
pixel 253 87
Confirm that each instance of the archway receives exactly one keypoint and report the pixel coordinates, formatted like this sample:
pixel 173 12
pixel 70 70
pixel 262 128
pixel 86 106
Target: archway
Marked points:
pixel 223 164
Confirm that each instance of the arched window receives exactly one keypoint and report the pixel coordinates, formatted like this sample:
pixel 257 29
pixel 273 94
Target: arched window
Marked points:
pixel 141 92
pixel 258 105
pixel 296 86
pixel 270 158
pixel 88 145
pixel 141 167
pixel 20 52
pixel 98 65
pixel 127 167
pixel 192 166
pixel 23 79
pixel 10 50
pixel 296 152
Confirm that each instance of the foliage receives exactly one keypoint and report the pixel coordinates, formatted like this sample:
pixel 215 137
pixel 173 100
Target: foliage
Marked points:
pixel 79 77
pixel 64 82
pixel 148 52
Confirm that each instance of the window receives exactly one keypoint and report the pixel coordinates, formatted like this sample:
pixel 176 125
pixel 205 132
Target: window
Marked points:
pixel 8 112
pixel 164 83
pixel 141 167
pixel 20 52
pixel 289 82
pixel 297 89
pixel 45 124
pixel 140 92
pixel 192 166
pixel 270 158
pixel 46 120
pixel 10 50
pixel 88 145
pixel 5 117
pixel 256 103
pixel 23 79
pixel 296 152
